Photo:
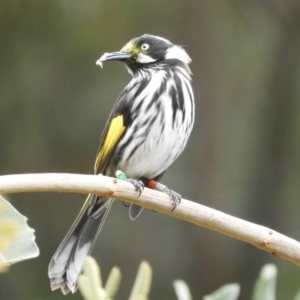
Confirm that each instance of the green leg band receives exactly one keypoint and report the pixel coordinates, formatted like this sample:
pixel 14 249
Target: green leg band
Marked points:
pixel 120 175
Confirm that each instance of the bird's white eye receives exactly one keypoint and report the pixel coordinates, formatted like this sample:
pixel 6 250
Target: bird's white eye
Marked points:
pixel 145 47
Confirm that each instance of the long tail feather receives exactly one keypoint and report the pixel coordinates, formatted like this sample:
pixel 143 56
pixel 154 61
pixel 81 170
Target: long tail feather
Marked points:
pixel 67 262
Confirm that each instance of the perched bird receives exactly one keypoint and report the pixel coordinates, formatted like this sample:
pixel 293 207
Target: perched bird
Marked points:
pixel 147 129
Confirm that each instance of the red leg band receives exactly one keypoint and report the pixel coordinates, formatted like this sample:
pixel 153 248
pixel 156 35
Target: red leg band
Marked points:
pixel 152 183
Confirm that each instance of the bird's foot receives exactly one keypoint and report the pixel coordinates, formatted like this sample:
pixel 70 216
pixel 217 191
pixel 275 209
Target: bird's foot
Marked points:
pixel 138 185
pixel 175 197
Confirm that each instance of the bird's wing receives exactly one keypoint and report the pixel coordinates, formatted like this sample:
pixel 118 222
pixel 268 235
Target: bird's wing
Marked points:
pixel 114 129
pixel 120 118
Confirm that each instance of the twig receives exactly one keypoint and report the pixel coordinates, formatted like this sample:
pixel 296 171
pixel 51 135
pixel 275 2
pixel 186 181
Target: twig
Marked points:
pixel 259 236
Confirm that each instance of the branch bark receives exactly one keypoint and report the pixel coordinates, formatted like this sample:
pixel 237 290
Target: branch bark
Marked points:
pixel 257 235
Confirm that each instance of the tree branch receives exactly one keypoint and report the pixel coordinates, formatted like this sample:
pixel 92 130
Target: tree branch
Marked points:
pixel 259 236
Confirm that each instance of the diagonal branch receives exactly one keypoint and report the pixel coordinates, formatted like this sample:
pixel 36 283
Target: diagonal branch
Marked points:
pixel 259 236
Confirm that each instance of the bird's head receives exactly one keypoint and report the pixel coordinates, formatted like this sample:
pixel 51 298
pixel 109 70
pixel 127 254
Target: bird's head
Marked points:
pixel 144 51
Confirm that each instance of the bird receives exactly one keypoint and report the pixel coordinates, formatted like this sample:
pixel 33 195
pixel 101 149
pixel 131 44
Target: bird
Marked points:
pixel 146 131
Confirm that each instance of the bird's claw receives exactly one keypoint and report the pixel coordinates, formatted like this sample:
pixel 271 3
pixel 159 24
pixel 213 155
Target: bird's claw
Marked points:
pixel 175 197
pixel 138 185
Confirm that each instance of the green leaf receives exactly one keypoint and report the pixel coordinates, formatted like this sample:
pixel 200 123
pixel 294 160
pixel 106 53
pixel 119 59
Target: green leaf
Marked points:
pixel 89 282
pixel 17 239
pixel 265 285
pixel 113 282
pixel 297 297
pixel 182 290
pixel 226 292
pixel 142 282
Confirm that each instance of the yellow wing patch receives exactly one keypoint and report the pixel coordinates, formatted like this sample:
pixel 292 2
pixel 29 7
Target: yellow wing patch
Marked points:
pixel 116 128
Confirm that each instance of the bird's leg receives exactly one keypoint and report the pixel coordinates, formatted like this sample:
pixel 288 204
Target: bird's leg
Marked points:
pixel 175 197
pixel 139 185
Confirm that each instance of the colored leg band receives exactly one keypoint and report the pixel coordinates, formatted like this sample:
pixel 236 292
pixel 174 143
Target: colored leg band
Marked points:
pixel 120 175
pixel 152 183
pixel 156 185
pixel 160 187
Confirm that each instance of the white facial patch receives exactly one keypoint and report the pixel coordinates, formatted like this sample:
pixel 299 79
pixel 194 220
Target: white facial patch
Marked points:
pixel 144 59
pixel 176 52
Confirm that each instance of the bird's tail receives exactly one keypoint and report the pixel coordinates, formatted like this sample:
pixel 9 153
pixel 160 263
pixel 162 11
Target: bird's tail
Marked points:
pixel 67 262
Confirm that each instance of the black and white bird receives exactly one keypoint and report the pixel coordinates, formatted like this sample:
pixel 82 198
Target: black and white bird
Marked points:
pixel 148 128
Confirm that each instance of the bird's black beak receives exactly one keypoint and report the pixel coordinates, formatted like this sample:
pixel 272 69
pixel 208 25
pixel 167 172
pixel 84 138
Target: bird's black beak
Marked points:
pixel 120 56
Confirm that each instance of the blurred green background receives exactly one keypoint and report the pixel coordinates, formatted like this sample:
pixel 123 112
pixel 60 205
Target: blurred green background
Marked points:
pixel 242 158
